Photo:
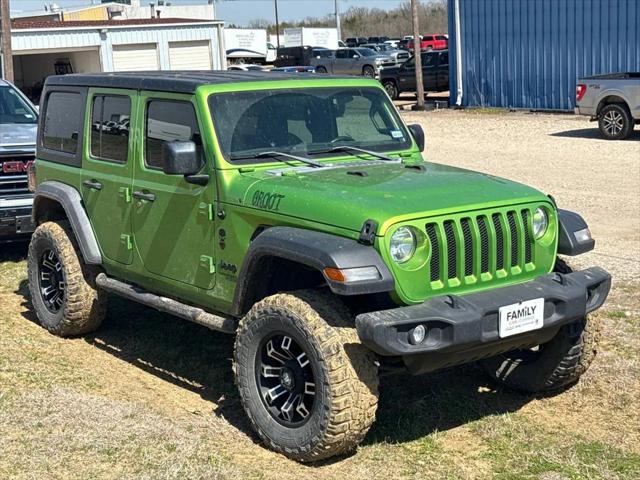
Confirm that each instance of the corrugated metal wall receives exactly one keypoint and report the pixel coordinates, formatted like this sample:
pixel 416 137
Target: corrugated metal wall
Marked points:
pixel 529 53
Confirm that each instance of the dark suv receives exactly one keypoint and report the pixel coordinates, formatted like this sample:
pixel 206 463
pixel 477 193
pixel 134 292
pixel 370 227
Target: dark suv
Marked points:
pixel 435 71
pixel 18 126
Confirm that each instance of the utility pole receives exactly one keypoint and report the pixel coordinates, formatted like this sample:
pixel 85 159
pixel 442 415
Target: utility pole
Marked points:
pixel 5 37
pixel 338 20
pixel 417 50
pixel 277 24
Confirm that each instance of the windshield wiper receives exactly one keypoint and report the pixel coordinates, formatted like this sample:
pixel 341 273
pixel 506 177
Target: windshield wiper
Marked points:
pixel 347 148
pixel 276 156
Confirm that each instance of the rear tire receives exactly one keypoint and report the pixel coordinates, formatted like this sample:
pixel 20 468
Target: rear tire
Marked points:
pixel 556 365
pixel 62 287
pixel 307 410
pixel 615 121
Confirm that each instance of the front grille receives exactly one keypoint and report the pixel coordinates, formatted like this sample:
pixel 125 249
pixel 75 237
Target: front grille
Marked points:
pixel 13 177
pixel 480 244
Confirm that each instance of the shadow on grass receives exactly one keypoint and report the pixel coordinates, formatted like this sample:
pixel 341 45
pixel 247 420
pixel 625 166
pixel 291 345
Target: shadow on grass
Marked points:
pixel 591 133
pixel 200 360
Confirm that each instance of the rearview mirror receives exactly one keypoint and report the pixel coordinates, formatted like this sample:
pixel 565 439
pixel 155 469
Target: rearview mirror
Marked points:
pixel 418 135
pixel 180 158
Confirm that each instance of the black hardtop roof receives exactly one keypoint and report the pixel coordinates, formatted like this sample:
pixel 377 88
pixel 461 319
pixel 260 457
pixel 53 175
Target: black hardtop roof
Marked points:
pixel 173 81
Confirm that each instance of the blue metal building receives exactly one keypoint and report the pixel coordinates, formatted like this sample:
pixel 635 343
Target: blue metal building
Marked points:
pixel 528 53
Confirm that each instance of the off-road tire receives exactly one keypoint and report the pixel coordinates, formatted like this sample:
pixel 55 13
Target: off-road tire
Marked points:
pixel 83 306
pixel 558 365
pixel 392 89
pixel 321 70
pixel 346 374
pixel 368 71
pixel 619 112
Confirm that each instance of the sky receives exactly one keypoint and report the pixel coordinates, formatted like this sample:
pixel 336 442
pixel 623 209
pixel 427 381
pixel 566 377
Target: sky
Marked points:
pixel 240 12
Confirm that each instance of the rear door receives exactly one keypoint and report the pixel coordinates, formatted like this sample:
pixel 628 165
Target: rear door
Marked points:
pixel 443 71
pixel 107 170
pixel 173 220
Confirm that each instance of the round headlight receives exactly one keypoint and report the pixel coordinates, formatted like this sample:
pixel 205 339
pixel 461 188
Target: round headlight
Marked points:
pixel 403 245
pixel 540 223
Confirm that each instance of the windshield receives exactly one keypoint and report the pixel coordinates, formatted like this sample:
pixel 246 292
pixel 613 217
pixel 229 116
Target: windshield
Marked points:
pixel 14 108
pixel 305 121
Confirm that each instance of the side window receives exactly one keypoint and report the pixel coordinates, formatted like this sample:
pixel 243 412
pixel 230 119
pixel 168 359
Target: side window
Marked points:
pixel 353 53
pixel 62 121
pixel 342 53
pixel 444 58
pixel 167 121
pixel 110 120
pixel 428 59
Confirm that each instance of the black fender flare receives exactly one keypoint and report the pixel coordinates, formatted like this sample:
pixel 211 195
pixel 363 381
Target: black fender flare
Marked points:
pixel 317 250
pixel 71 201
pixel 568 224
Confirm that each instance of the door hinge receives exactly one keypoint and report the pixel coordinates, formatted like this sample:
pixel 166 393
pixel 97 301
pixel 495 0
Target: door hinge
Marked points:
pixel 127 241
pixel 206 209
pixel 208 263
pixel 125 192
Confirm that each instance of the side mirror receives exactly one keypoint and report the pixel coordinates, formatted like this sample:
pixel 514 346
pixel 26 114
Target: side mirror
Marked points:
pixel 180 158
pixel 418 135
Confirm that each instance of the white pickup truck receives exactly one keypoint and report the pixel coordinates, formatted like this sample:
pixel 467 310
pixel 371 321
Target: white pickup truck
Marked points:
pixel 613 100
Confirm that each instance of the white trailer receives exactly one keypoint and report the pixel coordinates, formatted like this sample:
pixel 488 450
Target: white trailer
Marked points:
pixel 245 45
pixel 312 37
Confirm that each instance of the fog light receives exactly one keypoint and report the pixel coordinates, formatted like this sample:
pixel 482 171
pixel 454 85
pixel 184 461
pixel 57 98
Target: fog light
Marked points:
pixel 417 335
pixel 582 236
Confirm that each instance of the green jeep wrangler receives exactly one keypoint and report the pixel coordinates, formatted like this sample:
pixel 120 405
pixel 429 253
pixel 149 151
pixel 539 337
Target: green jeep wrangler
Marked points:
pixel 297 213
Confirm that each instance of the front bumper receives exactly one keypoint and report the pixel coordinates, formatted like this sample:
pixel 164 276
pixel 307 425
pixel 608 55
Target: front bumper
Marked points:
pixel 15 223
pixel 462 329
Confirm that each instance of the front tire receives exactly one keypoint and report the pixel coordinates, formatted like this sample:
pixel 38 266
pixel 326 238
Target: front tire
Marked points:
pixel 62 287
pixel 309 388
pixel 392 90
pixel 553 366
pixel 615 121
pixel 321 70
pixel 368 72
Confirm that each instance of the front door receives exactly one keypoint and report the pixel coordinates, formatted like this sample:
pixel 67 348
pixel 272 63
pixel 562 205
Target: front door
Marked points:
pixel 107 170
pixel 173 221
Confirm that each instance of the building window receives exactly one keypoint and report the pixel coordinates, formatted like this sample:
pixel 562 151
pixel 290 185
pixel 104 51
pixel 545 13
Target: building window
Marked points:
pixel 110 122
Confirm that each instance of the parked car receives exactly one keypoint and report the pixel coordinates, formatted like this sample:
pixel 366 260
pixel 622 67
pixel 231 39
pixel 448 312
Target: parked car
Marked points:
pixel 295 69
pixel 377 39
pixel 18 128
pixel 297 214
pixel 398 56
pixel 353 61
pixel 295 56
pixel 612 100
pixel 353 42
pixel 247 68
pixel 435 73
pixel 431 42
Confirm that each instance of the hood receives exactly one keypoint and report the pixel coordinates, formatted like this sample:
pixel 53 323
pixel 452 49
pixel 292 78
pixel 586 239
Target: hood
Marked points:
pixel 348 196
pixel 18 134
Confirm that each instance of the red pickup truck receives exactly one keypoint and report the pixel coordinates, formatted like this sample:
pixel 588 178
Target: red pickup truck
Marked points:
pixel 431 42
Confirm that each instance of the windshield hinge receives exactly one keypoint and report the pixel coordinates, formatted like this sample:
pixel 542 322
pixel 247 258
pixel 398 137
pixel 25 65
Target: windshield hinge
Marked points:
pixel 368 232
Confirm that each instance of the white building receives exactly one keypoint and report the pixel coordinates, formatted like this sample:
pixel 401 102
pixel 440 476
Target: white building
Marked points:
pixel 43 48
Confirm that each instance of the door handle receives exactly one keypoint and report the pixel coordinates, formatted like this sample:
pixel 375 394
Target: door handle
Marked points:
pixel 92 184
pixel 147 196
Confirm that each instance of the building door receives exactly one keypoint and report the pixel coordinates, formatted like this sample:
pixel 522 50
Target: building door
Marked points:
pixel 190 55
pixel 173 222
pixel 138 57
pixel 107 170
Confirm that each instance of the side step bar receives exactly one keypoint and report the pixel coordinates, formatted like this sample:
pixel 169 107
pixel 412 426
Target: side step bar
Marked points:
pixel 167 305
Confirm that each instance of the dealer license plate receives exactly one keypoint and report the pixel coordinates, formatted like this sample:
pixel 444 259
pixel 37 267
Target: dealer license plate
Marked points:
pixel 521 317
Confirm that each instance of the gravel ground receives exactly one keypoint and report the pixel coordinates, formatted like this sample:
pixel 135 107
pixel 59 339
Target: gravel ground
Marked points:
pixel 562 155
